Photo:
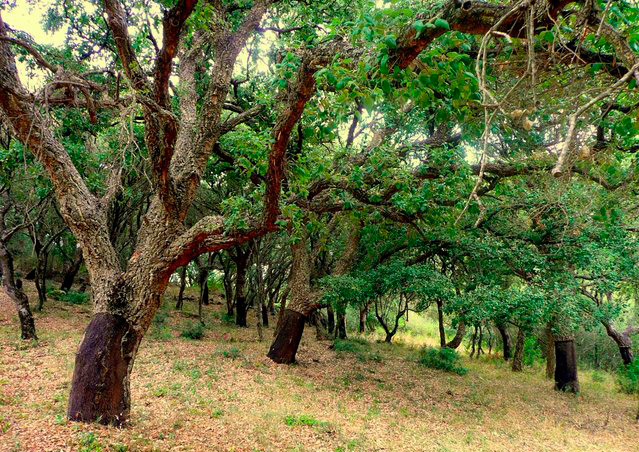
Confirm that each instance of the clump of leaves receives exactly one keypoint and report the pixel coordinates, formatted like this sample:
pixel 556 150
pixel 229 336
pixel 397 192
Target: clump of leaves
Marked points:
pixel 628 378
pixel 445 359
pixel 193 330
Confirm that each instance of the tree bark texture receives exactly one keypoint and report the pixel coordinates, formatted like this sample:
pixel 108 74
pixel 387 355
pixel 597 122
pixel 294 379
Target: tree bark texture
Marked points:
pixel 459 336
pixel 519 351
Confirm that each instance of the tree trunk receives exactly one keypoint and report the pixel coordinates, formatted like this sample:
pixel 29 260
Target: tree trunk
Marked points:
pixel 100 388
pixel 341 325
pixel 473 342
pixel 180 299
pixel 566 366
pixel 519 351
pixel 258 321
pixel 440 321
pixel 623 341
pixel 550 353
pixel 363 312
pixel 241 266
pixel 505 340
pixel 264 310
pixel 330 314
pixel 203 280
pixel 320 332
pixel 459 336
pixel 303 301
pixel 289 335
pixel 72 271
pixel 14 290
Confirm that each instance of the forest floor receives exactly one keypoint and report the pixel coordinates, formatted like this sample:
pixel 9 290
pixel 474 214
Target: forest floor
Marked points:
pixel 222 394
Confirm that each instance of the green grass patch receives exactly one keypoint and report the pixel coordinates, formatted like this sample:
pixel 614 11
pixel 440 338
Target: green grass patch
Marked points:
pixel 445 359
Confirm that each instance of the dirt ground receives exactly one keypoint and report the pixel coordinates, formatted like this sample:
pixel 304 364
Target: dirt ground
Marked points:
pixel 222 394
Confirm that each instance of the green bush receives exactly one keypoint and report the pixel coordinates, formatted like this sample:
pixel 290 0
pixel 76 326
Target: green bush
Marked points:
pixel 193 330
pixel 628 377
pixel 445 359
pixel 340 345
pixel 68 297
pixel 532 352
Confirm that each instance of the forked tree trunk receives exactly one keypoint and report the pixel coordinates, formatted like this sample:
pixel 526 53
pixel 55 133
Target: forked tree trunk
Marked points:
pixel 14 290
pixel 459 336
pixel 566 365
pixel 550 353
pixel 100 388
pixel 505 340
pixel 519 351
pixel 440 322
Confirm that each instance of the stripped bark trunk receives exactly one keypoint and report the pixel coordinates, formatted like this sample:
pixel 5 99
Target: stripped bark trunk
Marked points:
pixel 566 378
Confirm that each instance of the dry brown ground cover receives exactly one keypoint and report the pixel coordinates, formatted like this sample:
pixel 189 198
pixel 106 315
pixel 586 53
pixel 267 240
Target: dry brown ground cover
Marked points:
pixel 222 394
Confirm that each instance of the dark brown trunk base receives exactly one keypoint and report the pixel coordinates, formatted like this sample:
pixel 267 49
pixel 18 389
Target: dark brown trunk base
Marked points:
pixel 505 340
pixel 240 312
pixel 341 326
pixel 566 366
pixel 626 354
pixel 289 335
pixel 100 384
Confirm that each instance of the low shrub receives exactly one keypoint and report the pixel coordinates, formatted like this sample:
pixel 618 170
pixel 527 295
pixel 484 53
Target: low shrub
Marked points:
pixel 341 345
pixel 628 377
pixel 68 297
pixel 193 330
pixel 445 359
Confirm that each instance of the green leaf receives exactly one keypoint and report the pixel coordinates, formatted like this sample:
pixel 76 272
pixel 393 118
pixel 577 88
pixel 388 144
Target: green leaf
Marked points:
pixel 390 42
pixel 441 23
